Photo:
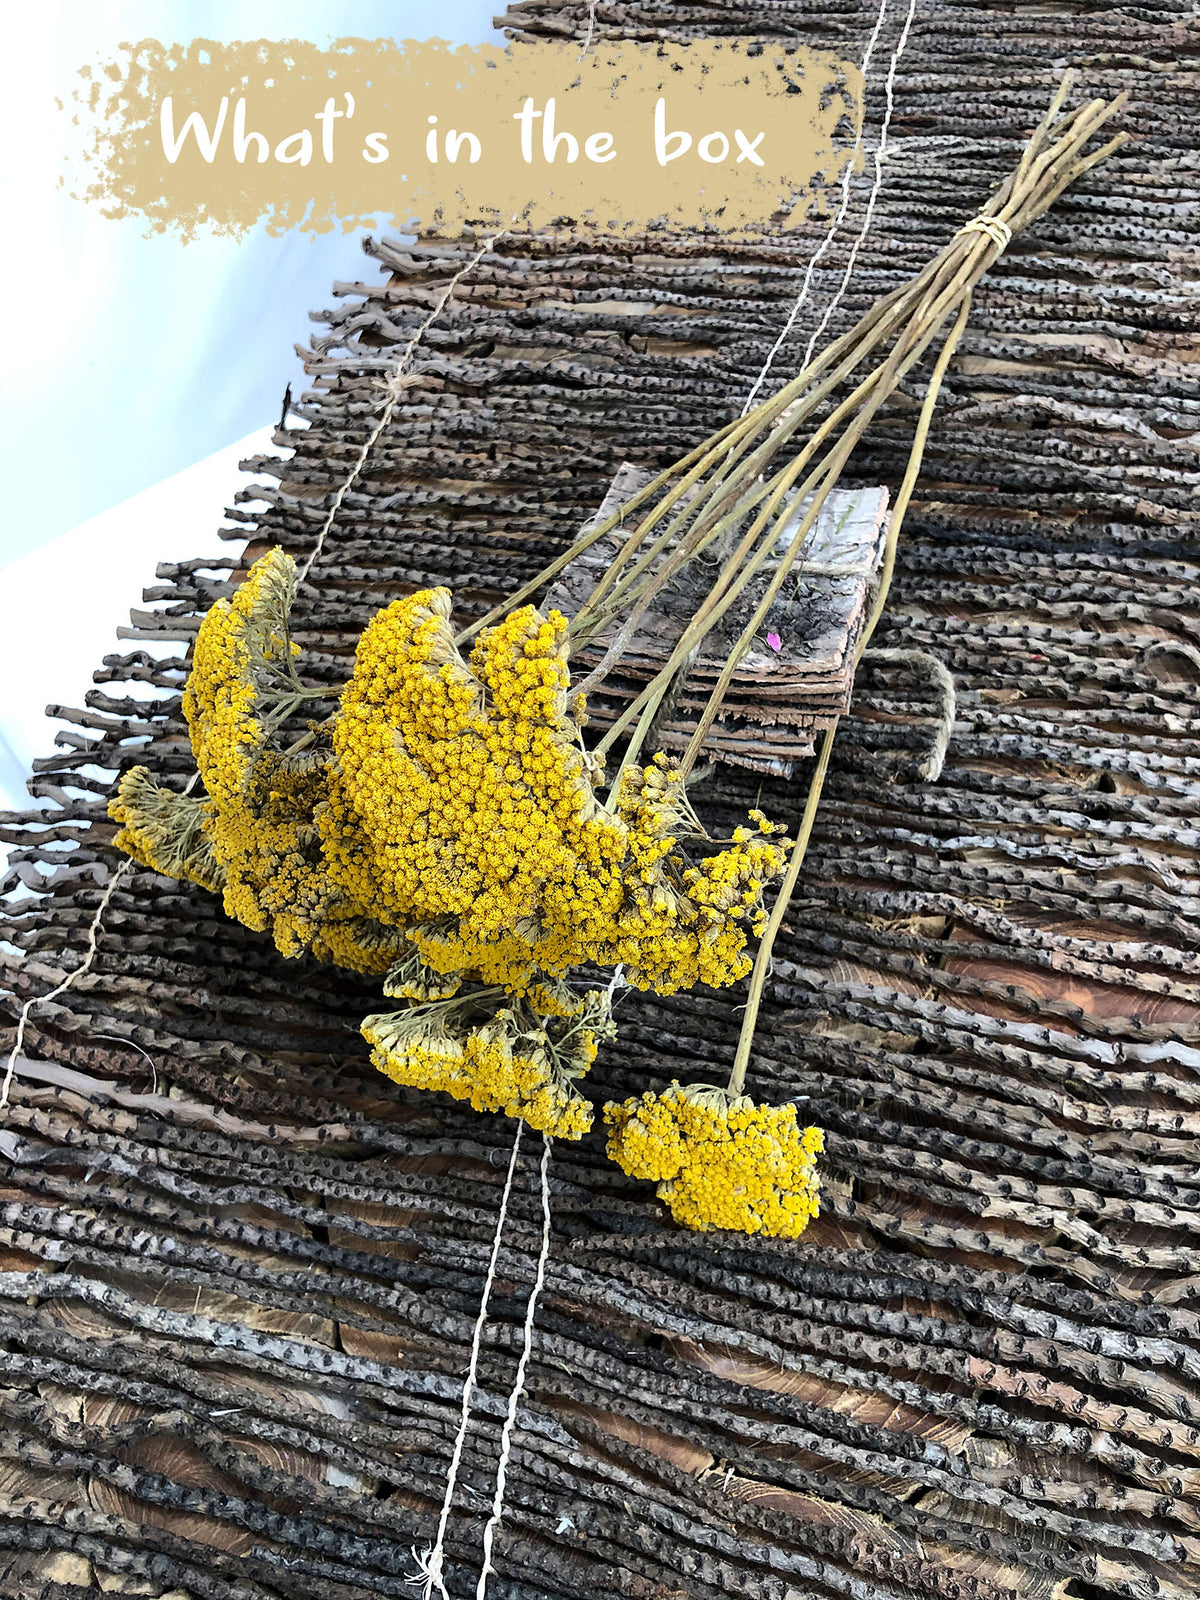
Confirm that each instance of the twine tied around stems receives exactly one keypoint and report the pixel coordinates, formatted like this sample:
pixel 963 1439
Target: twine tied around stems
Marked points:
pixel 997 230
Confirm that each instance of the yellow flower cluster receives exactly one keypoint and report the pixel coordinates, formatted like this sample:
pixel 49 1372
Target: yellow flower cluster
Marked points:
pixel 254 838
pixel 461 804
pixel 165 830
pixel 720 1161
pixel 447 834
pixel 260 817
pixel 518 1063
pixel 455 808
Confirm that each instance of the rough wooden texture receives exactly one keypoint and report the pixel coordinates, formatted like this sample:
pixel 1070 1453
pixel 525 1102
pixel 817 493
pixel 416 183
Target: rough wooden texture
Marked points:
pixel 797 677
pixel 242 1269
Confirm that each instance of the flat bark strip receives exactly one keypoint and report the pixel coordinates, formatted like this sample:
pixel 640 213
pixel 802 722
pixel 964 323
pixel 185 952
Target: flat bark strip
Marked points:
pixel 238 1270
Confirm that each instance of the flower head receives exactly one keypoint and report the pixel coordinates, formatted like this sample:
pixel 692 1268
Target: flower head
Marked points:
pixel 165 830
pixel 418 1047
pixel 522 1078
pixel 518 1062
pixel 461 805
pixel 720 1161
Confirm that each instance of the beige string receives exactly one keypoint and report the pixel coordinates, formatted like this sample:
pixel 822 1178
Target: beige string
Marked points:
pixel 929 769
pixel 997 230
pixel 71 977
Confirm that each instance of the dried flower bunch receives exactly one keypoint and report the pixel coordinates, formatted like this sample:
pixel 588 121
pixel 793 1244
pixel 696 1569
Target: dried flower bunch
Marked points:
pixel 443 826
pixel 448 835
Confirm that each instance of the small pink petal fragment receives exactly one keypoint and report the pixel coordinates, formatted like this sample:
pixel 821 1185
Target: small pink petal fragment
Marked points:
pixel 775 642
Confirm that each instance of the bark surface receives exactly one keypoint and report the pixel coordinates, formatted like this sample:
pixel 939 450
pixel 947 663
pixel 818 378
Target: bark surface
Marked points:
pixel 240 1269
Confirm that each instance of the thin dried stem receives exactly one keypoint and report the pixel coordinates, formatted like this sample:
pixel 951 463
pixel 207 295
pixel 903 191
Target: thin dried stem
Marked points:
pixel 762 960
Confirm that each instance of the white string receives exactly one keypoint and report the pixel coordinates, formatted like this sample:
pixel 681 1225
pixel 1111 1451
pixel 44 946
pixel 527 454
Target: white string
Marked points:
pixel 843 207
pixel 428 1572
pixel 395 387
pixel 880 156
pixel 116 1038
pixel 84 966
pixel 518 1388
pixel 587 43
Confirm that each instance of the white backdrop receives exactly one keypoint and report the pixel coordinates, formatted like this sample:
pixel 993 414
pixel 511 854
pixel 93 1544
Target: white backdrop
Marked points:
pixel 137 365
pixel 92 575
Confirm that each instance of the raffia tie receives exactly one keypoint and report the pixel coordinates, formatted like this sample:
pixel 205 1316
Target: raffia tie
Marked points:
pixel 997 230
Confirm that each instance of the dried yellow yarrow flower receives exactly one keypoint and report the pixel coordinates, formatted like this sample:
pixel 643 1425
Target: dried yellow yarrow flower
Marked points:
pixel 461 803
pixel 259 816
pixel 517 1063
pixel 552 997
pixel 242 651
pixel 165 830
pixel 521 1077
pixel 412 978
pixel 719 1160
pixel 418 1048
pixel 346 939
pixel 453 789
